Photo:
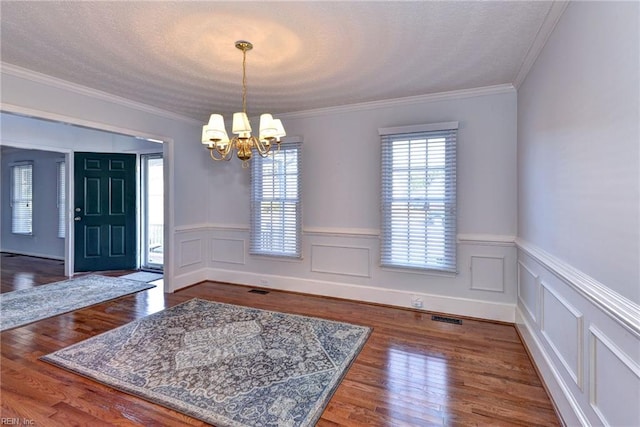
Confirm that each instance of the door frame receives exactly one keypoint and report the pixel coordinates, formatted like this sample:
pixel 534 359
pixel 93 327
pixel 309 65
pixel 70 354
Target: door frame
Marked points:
pixel 168 146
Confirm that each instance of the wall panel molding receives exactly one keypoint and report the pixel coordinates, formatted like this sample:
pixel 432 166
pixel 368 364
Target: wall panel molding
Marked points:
pixel 524 271
pixel 619 308
pixel 230 251
pixel 593 375
pixel 629 370
pixel 487 273
pixel 190 252
pixel 339 259
pixel 571 411
pixel 573 365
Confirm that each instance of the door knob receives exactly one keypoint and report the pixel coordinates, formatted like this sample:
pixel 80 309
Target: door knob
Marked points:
pixel 78 209
pixel 77 218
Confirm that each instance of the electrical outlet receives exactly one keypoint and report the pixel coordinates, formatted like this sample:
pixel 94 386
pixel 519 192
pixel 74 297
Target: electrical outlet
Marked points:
pixel 416 302
pixel 264 282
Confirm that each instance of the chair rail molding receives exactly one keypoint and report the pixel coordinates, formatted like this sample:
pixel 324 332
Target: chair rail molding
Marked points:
pixel 619 308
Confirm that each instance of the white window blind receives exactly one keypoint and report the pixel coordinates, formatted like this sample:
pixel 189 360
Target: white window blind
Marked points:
pixel 62 197
pixel 419 197
pixel 21 197
pixel 275 202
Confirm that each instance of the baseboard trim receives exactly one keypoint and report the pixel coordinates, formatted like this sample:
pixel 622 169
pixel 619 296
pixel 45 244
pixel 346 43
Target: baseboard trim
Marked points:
pixel 33 254
pixel 188 279
pixel 570 412
pixel 434 303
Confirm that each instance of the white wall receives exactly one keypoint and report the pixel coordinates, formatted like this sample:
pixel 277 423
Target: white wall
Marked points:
pixel 579 145
pixel 341 220
pixel 579 213
pixel 44 240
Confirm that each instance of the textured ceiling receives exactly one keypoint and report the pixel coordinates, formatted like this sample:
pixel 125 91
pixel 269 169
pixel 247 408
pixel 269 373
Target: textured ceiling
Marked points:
pixel 180 56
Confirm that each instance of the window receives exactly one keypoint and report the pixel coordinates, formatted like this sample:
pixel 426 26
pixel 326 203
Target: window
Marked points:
pixel 21 197
pixel 275 202
pixel 419 197
pixel 62 197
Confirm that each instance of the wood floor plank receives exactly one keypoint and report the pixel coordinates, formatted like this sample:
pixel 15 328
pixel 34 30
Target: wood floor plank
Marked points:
pixel 413 371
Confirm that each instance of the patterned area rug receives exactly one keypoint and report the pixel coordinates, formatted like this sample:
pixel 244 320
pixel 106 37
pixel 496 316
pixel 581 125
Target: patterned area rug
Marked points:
pixel 223 364
pixel 24 306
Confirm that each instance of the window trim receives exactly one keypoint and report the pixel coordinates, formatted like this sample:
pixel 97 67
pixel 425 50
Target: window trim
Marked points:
pixel 448 199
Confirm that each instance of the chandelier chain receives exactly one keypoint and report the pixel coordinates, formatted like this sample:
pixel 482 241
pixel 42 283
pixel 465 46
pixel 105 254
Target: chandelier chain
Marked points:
pixel 244 81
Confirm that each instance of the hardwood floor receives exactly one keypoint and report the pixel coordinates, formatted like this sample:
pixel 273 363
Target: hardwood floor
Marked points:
pixel 413 371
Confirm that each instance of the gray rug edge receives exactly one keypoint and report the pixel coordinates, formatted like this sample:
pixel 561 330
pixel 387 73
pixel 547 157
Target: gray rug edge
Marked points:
pixel 186 408
pixel 149 276
pixel 318 411
pixel 140 286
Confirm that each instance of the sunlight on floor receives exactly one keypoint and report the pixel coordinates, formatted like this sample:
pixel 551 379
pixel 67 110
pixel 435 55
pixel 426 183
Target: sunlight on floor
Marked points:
pixel 152 300
pixel 422 382
pixel 23 281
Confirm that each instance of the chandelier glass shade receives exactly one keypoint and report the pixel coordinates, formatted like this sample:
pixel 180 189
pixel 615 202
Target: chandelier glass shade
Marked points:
pixel 216 139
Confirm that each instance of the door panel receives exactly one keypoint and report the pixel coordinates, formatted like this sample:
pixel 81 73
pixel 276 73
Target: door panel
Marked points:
pixel 105 212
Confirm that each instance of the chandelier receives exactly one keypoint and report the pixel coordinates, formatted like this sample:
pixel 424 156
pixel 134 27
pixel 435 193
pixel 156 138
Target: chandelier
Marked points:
pixel 215 137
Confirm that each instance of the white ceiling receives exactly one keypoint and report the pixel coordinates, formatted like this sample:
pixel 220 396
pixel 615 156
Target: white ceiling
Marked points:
pixel 180 56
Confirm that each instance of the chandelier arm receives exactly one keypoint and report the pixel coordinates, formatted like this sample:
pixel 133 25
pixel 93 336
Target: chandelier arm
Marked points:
pixel 213 157
pixel 261 148
pixel 258 145
pixel 226 153
pixel 222 154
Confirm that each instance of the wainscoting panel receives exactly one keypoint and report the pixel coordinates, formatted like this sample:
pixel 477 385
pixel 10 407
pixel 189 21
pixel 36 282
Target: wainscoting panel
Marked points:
pixel 231 251
pixel 350 261
pixel 344 263
pixel 611 373
pixel 528 290
pixel 586 343
pixel 562 327
pixel 487 273
pixel 190 252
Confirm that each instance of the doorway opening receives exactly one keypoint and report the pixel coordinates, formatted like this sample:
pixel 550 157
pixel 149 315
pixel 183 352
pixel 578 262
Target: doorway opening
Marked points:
pixel 152 198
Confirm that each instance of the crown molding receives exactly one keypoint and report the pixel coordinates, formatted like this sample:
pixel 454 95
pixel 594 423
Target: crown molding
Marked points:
pixel 409 100
pixel 544 32
pixel 23 73
pixel 36 77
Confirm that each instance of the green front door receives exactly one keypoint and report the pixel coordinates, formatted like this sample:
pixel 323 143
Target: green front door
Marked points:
pixel 105 211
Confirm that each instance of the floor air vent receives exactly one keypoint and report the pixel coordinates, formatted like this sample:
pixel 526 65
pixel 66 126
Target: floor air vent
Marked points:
pixel 259 291
pixel 447 320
